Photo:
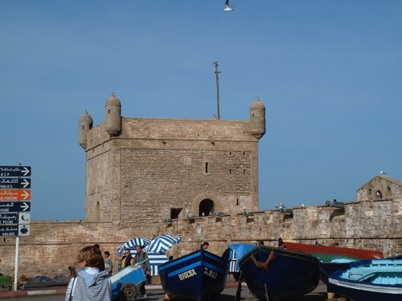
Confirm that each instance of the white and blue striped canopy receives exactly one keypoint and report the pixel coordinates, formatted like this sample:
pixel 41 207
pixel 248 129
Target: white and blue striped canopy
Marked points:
pixel 137 241
pixel 163 243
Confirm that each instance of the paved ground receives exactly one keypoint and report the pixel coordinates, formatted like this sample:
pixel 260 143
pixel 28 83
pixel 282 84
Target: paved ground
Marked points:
pixel 155 293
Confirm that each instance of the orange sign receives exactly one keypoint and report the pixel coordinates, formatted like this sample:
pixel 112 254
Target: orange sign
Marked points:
pixel 15 195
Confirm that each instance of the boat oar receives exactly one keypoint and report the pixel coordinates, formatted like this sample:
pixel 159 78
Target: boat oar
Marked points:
pixel 330 295
pixel 266 291
pixel 238 292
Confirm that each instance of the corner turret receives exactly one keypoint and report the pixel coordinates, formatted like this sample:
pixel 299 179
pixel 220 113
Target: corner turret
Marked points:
pixel 85 125
pixel 257 118
pixel 113 116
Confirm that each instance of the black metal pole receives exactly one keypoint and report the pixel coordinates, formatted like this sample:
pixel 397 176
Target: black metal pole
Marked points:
pixel 217 88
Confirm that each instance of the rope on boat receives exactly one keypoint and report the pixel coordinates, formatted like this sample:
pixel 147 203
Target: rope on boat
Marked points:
pixel 264 266
pixel 324 271
pixel 260 264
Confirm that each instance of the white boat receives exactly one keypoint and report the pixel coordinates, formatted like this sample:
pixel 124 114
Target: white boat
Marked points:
pixel 369 280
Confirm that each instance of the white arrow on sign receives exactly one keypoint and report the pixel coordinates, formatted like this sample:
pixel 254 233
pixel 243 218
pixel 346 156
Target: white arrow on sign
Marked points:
pixel 25 183
pixel 25 207
pixel 25 194
pixel 25 171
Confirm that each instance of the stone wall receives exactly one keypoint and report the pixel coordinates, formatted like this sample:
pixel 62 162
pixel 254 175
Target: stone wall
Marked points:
pixel 176 179
pixel 380 187
pixel 53 246
pixel 157 166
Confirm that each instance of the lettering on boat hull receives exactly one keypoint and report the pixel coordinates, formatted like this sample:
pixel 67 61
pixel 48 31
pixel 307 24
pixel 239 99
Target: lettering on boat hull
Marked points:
pixel 210 273
pixel 187 274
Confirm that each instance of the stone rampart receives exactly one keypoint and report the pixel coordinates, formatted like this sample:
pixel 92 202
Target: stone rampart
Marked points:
pixel 53 246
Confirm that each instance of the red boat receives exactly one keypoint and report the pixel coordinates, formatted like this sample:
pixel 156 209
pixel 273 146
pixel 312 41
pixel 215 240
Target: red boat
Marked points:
pixel 329 253
pixel 333 258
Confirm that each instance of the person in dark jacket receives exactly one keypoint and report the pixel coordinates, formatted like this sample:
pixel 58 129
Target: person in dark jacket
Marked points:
pixel 142 258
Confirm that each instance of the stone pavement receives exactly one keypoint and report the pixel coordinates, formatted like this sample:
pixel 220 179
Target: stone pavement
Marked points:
pixel 317 295
pixel 49 291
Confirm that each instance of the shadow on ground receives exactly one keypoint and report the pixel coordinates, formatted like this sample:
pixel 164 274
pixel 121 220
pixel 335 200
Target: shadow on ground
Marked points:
pixel 314 297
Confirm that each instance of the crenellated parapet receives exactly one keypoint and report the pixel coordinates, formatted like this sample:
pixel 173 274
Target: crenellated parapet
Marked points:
pixel 142 169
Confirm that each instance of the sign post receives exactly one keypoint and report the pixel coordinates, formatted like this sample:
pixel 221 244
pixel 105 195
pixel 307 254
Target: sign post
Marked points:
pixel 17 247
pixel 15 206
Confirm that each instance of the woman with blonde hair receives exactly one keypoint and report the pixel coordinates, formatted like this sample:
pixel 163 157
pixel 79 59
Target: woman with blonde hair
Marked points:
pixel 92 282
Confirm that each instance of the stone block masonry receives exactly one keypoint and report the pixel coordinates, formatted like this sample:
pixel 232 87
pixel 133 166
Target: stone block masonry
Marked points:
pixel 54 246
pixel 197 178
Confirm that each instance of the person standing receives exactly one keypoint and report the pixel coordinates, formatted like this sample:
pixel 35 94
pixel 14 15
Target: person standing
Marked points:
pixel 108 262
pixel 127 259
pixel 142 258
pixel 73 277
pixel 92 281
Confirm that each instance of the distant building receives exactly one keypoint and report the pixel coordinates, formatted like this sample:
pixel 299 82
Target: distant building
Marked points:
pixel 380 188
pixel 140 170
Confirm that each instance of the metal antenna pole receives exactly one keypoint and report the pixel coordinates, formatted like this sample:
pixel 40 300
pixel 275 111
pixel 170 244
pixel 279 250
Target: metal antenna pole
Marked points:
pixel 217 88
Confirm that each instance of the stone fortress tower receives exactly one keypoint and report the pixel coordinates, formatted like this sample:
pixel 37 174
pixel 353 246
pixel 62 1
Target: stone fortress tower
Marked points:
pixel 146 177
pixel 140 170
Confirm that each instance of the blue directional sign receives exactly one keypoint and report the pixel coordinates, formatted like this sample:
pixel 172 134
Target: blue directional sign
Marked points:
pixel 13 218
pixel 15 171
pixel 15 230
pixel 9 218
pixel 8 207
pixel 9 230
pixel 15 183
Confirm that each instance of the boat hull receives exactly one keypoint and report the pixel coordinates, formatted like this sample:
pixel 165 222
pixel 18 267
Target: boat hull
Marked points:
pixel 196 275
pixel 327 268
pixel 289 273
pixel 329 255
pixel 369 280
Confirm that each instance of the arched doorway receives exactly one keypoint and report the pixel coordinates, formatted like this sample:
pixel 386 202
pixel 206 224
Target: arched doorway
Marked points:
pixel 206 207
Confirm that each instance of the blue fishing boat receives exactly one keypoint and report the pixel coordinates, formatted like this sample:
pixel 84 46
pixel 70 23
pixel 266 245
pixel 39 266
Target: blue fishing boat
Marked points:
pixel 275 273
pixel 327 268
pixel 196 275
pixel 369 280
pixel 235 252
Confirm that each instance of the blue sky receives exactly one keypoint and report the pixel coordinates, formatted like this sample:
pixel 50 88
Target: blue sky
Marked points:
pixel 328 72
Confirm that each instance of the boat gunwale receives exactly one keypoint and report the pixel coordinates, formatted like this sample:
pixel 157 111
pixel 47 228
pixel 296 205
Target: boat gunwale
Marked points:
pixel 367 287
pixel 332 250
pixel 281 251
